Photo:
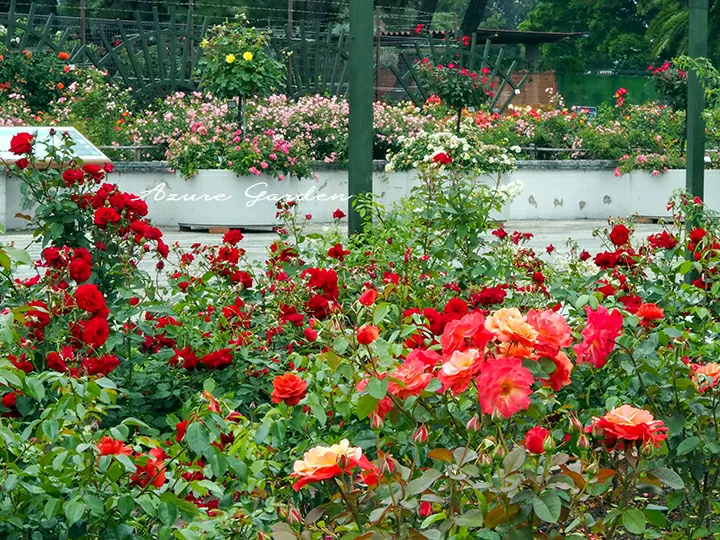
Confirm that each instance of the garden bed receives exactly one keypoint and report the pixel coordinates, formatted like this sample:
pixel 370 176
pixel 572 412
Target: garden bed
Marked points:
pixel 552 190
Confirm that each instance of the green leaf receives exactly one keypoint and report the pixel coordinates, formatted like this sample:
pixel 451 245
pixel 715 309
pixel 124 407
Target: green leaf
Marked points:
pixel 18 255
pixel 582 300
pixel 56 230
pixel 167 512
pixel 688 445
pixel 262 432
pixel 125 505
pixel 634 521
pixel 340 345
pixel 471 518
pixel 421 484
pixel 668 477
pixel 74 511
pixel 514 460
pixel 51 508
pixel 197 437
pixel 127 463
pixel 366 405
pixel 547 507
pixel 381 311
pixel 377 388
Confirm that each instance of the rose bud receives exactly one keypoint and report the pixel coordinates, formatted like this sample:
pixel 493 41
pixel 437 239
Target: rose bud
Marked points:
pixel 421 435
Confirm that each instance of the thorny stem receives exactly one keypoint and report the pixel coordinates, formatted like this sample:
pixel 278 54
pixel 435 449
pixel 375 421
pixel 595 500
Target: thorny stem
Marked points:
pixel 342 487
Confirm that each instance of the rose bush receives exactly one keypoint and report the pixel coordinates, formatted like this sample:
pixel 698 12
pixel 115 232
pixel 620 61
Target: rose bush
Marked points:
pixel 432 378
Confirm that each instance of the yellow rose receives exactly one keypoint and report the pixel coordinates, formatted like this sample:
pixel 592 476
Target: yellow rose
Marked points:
pixel 248 56
pixel 230 58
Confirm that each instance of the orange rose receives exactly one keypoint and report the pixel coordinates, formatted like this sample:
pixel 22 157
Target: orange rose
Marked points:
pixel 288 388
pixel 63 56
pixel 706 376
pixel 322 463
pixel 509 325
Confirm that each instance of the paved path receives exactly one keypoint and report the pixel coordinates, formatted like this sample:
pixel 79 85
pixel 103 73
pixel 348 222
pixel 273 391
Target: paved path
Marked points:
pixel 545 233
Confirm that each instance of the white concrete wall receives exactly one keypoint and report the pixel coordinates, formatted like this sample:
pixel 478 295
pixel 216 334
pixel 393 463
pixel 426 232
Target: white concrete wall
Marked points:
pixel 221 198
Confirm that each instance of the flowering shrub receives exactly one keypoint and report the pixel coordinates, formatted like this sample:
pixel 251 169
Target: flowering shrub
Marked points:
pixel 434 376
pixel 236 62
pixel 456 86
pixel 671 85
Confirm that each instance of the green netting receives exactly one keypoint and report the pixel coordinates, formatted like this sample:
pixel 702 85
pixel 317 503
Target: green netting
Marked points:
pixel 592 89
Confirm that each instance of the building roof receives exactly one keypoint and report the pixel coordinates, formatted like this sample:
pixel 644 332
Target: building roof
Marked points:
pixel 499 36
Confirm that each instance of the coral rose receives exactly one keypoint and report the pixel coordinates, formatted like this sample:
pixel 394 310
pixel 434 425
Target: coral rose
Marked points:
pixel 367 333
pixel 504 385
pixel 410 379
pixel 466 333
pixel 627 423
pixel 153 472
pixel 649 313
pixel 553 332
pixel 561 376
pixel 112 447
pixel 288 388
pixel 457 372
pixel 599 335
pixel 535 440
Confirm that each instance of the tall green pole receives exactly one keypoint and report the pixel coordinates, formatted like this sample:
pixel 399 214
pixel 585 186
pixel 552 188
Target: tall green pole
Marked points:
pixel 695 180
pixel 361 105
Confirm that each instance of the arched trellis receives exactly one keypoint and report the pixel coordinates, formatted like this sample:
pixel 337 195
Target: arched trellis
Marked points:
pixel 153 62
pixel 317 61
pixel 472 57
pixel 23 32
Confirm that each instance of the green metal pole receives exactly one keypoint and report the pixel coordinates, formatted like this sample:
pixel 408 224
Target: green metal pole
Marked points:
pixel 695 180
pixel 361 105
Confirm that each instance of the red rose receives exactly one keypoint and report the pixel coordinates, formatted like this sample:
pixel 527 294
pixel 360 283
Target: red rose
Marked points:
pixel 22 163
pixel 89 298
pixel 101 366
pixel 104 216
pixel 80 270
pixel 368 297
pixel 108 168
pixel 181 428
pixel 95 332
pixel 218 359
pixel 338 214
pixel 288 388
pixel 9 400
pixel 367 333
pixel 55 362
pixel 584 255
pixel 72 177
pixel 232 237
pixel 62 55
pixel 619 235
pixel 21 143
pixel 535 440
pixel 442 158
pixel 96 171
pixel 310 334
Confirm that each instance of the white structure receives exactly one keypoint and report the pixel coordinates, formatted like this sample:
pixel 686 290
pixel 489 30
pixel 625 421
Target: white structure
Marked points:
pixel 552 190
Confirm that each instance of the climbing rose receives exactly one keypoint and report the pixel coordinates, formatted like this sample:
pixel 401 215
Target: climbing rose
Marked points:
pixel 112 447
pixel 504 385
pixel 232 237
pixel 95 332
pixel 535 440
pixel 89 298
pixel 288 388
pixel 104 216
pixel 627 423
pixel 599 335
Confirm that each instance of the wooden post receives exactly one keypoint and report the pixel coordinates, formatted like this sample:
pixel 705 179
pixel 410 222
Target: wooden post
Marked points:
pixel 361 106
pixel 83 22
pixel 695 179
pixel 378 49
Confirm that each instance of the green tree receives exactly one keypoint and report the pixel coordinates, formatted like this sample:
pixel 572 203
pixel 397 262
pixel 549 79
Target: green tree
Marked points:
pixel 616 33
pixel 668 30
